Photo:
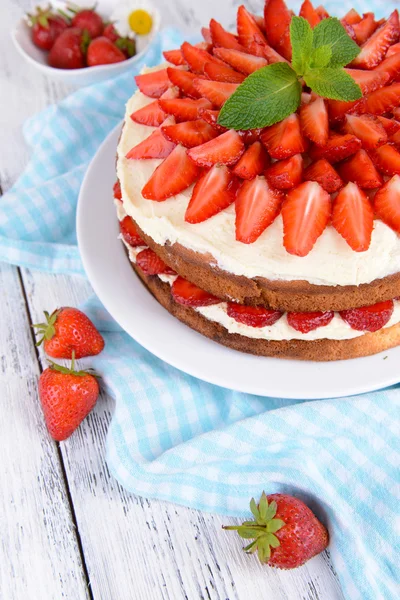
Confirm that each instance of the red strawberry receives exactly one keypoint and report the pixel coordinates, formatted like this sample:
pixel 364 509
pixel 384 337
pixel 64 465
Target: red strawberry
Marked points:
pixel 389 125
pixel 387 159
pixel 367 128
pixel 117 190
pixel 395 139
pixel 175 174
pixel 211 117
pixel 393 50
pixel 151 264
pixel 338 109
pixel 349 30
pixel 365 28
pixel 252 162
pixel 188 294
pixel 369 81
pixel 68 51
pixel 221 38
pixel 257 205
pixel 369 318
pixel 337 148
pixel 390 66
pixel 277 18
pixel 314 121
pixel 222 73
pixel 213 192
pixel 196 57
pixel 189 133
pixel 396 112
pixel 46 27
pixel 353 217
pixel 184 109
pixel 151 115
pixel 216 92
pixel 154 146
pixel 352 17
pixel 91 21
pixel 305 213
pixel 206 33
pixel 102 51
pixel 387 203
pixel 267 52
pixel 67 397
pixel 308 12
pixel 245 63
pixel 297 537
pixel 383 100
pixel 153 84
pixel 247 28
pixel 225 149
pixel 374 50
pixel 284 139
pixel 360 169
pixel 308 321
pixel 174 57
pixel 322 12
pixel 184 81
pixel 130 233
pixel 111 33
pixel 260 22
pixel 285 174
pixel 253 316
pixel 323 173
pixel 69 330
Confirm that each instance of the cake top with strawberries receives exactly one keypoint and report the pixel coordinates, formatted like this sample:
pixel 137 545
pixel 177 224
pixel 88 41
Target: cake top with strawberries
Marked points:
pixel 292 121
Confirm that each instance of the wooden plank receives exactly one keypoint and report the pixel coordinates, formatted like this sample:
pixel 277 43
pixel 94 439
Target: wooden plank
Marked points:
pixel 39 546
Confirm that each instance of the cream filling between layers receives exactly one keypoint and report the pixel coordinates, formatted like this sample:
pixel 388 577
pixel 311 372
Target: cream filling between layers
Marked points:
pixel 330 262
pixel 337 329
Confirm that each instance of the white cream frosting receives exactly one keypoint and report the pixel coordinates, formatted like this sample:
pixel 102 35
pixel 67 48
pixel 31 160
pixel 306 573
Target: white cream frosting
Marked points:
pixel 330 262
pixel 337 329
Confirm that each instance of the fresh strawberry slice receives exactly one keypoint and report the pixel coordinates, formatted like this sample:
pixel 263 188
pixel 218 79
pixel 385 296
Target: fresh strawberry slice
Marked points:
pixel 245 63
pixel 352 17
pixel 277 18
pixel 223 73
pixel 322 12
pixel 130 233
pixel 153 84
pixel 225 149
pixel 189 133
pixel 206 33
pixel 184 109
pixel 175 57
pixel 213 192
pixel 393 50
pixel 257 205
pixel 196 57
pixel 389 125
pixel 314 121
pixel 353 217
pixel 188 294
pixel 395 139
pixel 390 66
pixel 367 128
pixel 337 109
pixel 396 112
pixel 247 28
pixel 349 30
pixel 151 264
pixel 374 50
pixel 252 163
pixel 260 22
pixel 308 321
pixel 386 159
pixel 383 100
pixel 249 136
pixel 305 213
pixel 337 148
pixel 284 139
pixel 267 52
pixel 365 28
pixel 117 190
pixel 369 81
pixel 211 117
pixel 253 316
pixel 222 38
pixel 285 174
pixel 151 115
pixel 387 203
pixel 369 318
pixel 184 81
pixel 360 169
pixel 154 146
pixel 308 12
pixel 323 173
pixel 175 174
pixel 215 91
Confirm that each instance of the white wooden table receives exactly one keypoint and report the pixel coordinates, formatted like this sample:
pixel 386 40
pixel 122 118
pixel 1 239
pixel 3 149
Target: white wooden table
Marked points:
pixel 68 530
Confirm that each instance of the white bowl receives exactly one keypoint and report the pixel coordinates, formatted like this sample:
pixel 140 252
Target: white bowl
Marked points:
pixel 36 57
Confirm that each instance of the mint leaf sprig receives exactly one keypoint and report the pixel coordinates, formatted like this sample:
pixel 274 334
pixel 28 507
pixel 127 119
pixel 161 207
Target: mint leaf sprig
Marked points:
pixel 272 93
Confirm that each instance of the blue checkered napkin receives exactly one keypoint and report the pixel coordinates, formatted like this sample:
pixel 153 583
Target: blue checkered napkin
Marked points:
pixel 176 438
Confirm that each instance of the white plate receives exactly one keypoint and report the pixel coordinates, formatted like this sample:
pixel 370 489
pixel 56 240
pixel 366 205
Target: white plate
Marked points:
pixel 133 307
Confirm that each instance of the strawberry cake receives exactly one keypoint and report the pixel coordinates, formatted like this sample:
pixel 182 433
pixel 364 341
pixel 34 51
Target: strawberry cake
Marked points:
pixel 277 239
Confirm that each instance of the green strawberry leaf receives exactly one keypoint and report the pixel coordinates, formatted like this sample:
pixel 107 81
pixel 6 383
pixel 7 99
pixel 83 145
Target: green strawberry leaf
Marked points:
pixel 330 32
pixel 301 37
pixel 320 57
pixel 254 509
pixel 274 525
pixel 333 83
pixel 265 97
pixel 271 512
